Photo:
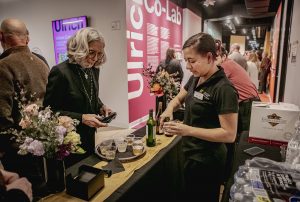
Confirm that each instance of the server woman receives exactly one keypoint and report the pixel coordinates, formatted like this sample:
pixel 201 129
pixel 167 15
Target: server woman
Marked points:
pixel 211 106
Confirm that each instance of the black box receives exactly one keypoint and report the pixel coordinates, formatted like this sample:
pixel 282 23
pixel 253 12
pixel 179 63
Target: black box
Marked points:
pixel 86 184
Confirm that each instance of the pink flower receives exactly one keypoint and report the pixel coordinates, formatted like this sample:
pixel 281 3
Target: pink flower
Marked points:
pixel 31 110
pixel 36 148
pixel 24 123
pixel 32 146
pixel 66 122
pixel 60 131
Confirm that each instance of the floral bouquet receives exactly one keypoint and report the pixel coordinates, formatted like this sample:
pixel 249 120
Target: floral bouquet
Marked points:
pixel 45 133
pixel 161 82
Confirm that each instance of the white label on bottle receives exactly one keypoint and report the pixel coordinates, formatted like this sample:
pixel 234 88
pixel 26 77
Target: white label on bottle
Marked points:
pixel 154 132
pixel 147 130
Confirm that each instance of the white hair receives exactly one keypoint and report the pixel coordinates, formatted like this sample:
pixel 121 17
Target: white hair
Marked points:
pixel 78 45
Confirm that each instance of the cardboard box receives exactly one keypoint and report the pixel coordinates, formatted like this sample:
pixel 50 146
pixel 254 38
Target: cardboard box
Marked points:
pixel 272 123
pixel 86 184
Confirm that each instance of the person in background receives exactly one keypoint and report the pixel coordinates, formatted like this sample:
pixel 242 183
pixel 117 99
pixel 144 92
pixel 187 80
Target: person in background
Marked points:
pixel 265 69
pixel 36 54
pixel 13 188
pixel 171 65
pixel 237 56
pixel 253 68
pixel 76 81
pixel 241 81
pixel 259 55
pixel 211 107
pixel 19 70
pixel 247 94
pixel 17 63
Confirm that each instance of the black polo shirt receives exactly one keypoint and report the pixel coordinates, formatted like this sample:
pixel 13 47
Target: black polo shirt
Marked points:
pixel 203 104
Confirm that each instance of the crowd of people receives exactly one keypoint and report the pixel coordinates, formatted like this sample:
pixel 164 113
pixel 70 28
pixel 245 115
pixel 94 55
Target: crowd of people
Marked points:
pixel 256 63
pixel 217 100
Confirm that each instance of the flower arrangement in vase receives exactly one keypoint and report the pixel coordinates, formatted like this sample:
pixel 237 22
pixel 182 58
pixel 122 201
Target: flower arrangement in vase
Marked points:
pixel 161 82
pixel 45 133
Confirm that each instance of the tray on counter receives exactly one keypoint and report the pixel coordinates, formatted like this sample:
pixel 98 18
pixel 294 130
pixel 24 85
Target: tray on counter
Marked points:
pixel 122 156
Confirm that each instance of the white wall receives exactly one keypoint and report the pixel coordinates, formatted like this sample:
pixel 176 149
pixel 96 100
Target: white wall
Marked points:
pixel 192 24
pixel 292 93
pixel 38 14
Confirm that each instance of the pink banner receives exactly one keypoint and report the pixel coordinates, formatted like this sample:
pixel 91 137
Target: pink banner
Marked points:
pixel 152 27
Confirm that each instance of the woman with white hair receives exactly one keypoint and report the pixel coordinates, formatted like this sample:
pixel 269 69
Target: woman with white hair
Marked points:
pixel 73 87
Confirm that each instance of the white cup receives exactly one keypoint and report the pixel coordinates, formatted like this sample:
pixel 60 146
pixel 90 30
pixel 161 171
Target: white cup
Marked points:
pixel 110 153
pixel 137 146
pixel 121 144
pixel 129 139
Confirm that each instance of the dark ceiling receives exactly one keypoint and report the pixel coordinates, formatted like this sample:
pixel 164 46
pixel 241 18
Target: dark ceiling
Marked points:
pixel 253 15
pixel 243 8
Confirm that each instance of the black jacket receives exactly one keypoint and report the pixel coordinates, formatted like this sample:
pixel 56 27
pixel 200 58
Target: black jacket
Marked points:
pixel 65 94
pixel 173 67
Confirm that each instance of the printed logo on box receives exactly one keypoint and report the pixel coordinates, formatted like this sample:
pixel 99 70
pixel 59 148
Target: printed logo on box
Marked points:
pixel 274 119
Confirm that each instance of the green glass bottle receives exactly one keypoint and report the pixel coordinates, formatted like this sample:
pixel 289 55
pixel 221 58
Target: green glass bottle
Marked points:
pixel 151 130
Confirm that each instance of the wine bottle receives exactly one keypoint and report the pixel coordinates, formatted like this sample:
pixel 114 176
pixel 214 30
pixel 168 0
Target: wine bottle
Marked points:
pixel 151 130
pixel 159 130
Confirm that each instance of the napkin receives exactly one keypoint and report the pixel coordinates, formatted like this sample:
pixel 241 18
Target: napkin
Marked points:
pixel 115 166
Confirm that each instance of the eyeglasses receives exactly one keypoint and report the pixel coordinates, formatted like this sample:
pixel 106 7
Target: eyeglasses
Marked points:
pixel 93 53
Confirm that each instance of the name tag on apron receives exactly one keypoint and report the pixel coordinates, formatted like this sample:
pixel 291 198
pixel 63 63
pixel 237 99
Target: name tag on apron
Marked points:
pixel 198 95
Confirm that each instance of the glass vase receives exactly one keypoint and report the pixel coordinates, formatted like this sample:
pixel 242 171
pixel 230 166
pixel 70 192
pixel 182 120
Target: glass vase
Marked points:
pixel 55 175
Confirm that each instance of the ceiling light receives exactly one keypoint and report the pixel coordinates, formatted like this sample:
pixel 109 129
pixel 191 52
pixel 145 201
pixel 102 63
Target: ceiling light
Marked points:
pixel 237 20
pixel 209 3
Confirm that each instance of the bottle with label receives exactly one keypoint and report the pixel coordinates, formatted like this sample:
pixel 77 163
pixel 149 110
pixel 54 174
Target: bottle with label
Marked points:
pixel 293 149
pixel 159 130
pixel 151 130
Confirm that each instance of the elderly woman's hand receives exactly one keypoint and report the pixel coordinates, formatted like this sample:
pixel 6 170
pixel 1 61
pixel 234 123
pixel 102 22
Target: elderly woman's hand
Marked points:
pixel 105 110
pixel 92 120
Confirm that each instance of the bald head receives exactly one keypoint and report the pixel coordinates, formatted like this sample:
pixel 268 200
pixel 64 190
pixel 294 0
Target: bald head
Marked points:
pixel 14 33
pixel 235 47
pixel 15 26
